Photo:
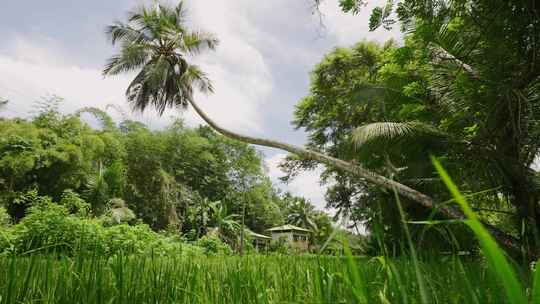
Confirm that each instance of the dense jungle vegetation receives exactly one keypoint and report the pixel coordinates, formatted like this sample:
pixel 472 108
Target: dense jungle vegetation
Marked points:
pixel 185 182
pixel 431 144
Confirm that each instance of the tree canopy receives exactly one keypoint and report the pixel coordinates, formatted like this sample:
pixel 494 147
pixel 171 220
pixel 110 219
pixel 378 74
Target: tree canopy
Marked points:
pixel 462 86
pixel 187 181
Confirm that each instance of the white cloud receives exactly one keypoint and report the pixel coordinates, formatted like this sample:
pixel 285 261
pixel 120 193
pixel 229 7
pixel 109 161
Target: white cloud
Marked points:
pixel 36 49
pixel 24 81
pixel 32 69
pixel 240 75
pixel 306 184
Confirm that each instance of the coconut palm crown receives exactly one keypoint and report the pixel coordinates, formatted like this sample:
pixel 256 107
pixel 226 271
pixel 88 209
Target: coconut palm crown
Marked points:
pixel 156 43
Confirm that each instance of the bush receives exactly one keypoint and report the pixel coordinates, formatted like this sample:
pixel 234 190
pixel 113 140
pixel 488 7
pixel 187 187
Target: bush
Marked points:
pixel 280 246
pixel 213 245
pixel 118 213
pixel 6 241
pixel 5 219
pixel 49 227
pixel 75 204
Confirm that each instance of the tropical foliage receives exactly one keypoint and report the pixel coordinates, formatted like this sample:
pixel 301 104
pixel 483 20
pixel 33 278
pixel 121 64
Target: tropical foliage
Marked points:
pixel 189 182
pixel 462 86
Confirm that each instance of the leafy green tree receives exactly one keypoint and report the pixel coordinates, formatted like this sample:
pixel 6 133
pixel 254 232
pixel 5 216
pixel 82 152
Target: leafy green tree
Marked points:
pixel 261 204
pixel 357 86
pixel 478 76
pixel 49 151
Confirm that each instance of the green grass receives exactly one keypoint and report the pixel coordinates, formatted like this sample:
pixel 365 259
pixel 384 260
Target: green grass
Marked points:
pixel 251 279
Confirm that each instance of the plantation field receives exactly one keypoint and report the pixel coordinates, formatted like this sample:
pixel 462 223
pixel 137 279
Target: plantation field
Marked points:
pixel 250 279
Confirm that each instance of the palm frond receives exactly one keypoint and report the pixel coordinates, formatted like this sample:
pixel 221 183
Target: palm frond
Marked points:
pixel 132 57
pixel 195 42
pixel 197 77
pixel 120 32
pixel 175 16
pixel 389 131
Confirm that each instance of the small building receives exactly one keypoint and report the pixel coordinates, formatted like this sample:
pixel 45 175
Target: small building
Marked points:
pixel 296 237
pixel 260 241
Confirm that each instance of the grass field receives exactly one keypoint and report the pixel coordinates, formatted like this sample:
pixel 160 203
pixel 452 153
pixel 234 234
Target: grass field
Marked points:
pixel 250 279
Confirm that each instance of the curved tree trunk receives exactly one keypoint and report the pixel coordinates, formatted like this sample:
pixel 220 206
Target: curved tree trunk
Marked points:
pixel 507 241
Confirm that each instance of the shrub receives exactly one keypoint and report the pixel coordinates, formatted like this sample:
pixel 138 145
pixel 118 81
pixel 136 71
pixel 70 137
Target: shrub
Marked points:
pixel 118 213
pixel 75 204
pixel 133 239
pixel 19 202
pixel 213 245
pixel 5 219
pixel 49 227
pixel 280 246
pixel 6 241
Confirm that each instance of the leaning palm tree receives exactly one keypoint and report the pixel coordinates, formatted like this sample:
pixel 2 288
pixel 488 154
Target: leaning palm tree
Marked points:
pixel 156 43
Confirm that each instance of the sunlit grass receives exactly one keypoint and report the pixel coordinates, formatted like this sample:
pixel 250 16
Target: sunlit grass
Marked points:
pixel 251 279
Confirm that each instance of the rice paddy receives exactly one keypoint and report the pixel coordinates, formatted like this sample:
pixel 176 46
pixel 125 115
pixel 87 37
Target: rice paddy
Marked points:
pixel 249 279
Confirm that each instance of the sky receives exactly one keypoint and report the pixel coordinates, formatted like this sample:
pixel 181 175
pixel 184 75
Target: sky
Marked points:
pixel 260 70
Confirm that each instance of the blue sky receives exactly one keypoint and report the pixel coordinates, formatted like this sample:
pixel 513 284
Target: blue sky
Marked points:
pixel 260 70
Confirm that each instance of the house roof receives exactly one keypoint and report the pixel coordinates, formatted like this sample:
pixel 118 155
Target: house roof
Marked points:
pixel 256 235
pixel 287 228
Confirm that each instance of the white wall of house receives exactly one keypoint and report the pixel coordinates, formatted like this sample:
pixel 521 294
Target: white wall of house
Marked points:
pixel 300 241
pixel 276 236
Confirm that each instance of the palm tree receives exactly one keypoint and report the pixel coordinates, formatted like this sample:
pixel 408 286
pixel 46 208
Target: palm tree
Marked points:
pixel 156 43
pixel 302 213
pixel 97 189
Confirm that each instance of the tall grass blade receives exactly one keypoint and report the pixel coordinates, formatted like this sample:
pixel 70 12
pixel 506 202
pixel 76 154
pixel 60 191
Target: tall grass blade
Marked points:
pixel 358 285
pixel 496 258
pixel 421 284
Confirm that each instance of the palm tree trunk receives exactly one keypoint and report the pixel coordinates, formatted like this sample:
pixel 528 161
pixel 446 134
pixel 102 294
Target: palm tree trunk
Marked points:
pixel 506 240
